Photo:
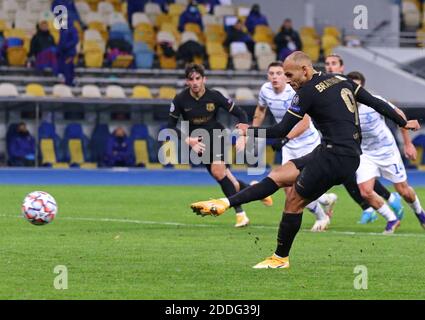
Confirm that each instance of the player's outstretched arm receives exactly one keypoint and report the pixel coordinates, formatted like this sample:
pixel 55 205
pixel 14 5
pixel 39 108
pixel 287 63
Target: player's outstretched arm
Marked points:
pixel 279 130
pixel 385 109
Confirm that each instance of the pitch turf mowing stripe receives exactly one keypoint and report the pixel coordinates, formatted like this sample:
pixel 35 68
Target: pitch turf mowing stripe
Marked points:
pixel 178 224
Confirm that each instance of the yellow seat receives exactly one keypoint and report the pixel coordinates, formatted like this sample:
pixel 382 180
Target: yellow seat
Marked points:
pixel 93 58
pixel 99 26
pixel 218 61
pixel 141 154
pixel 332 31
pixel 16 56
pixel 163 18
pixel 4 25
pixel 175 9
pixel 93 4
pixel 167 62
pixel 122 61
pixel 329 42
pixel 47 149
pixel 420 37
pixel 35 90
pixel 141 92
pixel 116 3
pixel 145 35
pixel 308 31
pixel 76 151
pixel 167 93
pixel 214 48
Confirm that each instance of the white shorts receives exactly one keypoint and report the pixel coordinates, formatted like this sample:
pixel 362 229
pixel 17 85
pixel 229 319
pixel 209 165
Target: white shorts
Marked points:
pixel 391 169
pixel 293 153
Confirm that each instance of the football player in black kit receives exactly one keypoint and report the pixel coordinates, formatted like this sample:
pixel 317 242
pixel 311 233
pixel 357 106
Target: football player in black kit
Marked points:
pixel 330 100
pixel 199 106
pixel 335 64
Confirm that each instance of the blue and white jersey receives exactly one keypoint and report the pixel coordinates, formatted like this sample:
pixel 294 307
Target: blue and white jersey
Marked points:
pixel 377 140
pixel 278 103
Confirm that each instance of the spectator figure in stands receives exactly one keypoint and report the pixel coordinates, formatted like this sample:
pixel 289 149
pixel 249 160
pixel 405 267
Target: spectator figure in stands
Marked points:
pixel 255 18
pixel 72 10
pixel 189 50
pixel 236 33
pixel 134 6
pixel 117 47
pixel 287 40
pixel 210 3
pixel 43 51
pixel 22 147
pixel 118 150
pixel 67 50
pixel 163 4
pixel 191 15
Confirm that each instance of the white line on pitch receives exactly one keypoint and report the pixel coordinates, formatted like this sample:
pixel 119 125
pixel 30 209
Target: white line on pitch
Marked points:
pixel 178 224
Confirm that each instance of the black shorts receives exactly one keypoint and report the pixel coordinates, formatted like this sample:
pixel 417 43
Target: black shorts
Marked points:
pixel 321 170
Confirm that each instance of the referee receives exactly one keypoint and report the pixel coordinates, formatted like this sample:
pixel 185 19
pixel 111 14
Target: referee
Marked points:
pixel 199 106
pixel 330 100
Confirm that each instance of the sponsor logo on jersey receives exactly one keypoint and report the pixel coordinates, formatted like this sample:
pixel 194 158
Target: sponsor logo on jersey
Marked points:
pixel 172 108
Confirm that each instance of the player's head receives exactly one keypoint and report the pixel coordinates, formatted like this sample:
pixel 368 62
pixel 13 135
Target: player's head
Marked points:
pixel 357 77
pixel 276 75
pixel 195 77
pixel 298 69
pixel 334 64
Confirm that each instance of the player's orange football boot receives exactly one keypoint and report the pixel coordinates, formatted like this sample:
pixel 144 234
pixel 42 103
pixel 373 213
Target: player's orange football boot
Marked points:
pixel 213 207
pixel 273 262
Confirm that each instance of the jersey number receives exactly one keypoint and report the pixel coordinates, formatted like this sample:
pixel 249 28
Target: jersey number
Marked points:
pixel 350 102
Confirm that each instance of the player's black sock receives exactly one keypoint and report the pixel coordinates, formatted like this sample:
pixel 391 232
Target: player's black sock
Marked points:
pixel 354 191
pixel 243 185
pixel 229 190
pixel 264 188
pixel 381 190
pixel 288 229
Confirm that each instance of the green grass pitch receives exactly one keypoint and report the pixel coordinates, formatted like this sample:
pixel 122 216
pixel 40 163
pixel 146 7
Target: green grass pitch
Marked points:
pixel 145 243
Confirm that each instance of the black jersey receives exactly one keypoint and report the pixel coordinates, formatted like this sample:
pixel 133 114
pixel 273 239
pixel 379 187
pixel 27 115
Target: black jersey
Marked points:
pixel 202 112
pixel 329 99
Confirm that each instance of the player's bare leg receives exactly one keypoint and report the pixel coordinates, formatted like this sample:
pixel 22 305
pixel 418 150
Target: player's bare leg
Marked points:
pixel 368 193
pixel 409 195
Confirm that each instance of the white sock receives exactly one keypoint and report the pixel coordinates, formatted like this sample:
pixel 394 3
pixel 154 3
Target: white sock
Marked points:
pixel 387 213
pixel 225 201
pixel 416 205
pixel 241 213
pixel 391 198
pixel 316 209
pixel 324 199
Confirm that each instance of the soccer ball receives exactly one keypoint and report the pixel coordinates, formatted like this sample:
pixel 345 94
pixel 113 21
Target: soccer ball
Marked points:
pixel 39 208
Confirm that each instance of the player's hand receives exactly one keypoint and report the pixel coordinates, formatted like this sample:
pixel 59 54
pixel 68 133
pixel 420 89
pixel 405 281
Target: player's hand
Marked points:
pixel 410 151
pixel 412 125
pixel 240 143
pixel 196 144
pixel 242 128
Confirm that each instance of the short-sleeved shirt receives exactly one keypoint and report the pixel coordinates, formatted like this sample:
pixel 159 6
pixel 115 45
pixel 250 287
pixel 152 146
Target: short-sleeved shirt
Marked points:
pixel 330 101
pixel 202 112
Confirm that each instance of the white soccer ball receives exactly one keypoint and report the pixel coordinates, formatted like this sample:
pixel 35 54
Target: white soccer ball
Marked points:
pixel 39 208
